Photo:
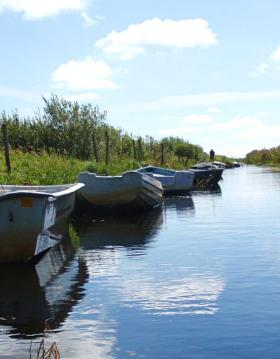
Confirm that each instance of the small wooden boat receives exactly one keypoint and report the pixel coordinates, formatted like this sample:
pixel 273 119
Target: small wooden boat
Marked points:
pixel 131 191
pixel 173 182
pixel 26 215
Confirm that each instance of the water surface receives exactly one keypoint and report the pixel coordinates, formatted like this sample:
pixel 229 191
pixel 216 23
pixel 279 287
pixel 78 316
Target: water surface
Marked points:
pixel 198 279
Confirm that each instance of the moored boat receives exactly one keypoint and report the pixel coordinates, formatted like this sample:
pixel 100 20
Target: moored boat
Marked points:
pixel 132 191
pixel 206 174
pixel 236 164
pixel 173 182
pixel 26 215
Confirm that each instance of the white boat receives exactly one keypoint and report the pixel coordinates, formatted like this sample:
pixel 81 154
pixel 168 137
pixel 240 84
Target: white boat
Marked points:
pixel 26 215
pixel 173 182
pixel 131 191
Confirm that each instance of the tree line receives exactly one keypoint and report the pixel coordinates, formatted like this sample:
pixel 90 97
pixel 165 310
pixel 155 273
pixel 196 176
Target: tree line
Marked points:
pixel 80 131
pixel 264 156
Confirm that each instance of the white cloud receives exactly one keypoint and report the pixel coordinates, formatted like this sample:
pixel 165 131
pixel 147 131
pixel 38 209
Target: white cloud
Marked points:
pixel 235 137
pixel 214 109
pixel 128 43
pixel 170 103
pixel 87 74
pixel 38 9
pixel 209 124
pixel 260 70
pixel 263 68
pixel 195 120
pixel 264 114
pixel 88 21
pixel 83 97
pixel 275 56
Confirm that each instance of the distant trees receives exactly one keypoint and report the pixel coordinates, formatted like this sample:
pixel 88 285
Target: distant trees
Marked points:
pixel 264 156
pixel 188 151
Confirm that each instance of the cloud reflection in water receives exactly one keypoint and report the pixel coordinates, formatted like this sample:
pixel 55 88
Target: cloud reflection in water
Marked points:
pixel 186 296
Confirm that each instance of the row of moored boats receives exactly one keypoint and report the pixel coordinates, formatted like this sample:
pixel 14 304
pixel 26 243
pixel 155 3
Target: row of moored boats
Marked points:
pixel 27 213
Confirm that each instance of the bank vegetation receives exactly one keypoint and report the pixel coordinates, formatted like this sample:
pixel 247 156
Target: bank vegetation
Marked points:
pixel 66 137
pixel 269 157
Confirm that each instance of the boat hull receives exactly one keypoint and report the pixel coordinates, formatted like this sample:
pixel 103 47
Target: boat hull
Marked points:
pixel 207 177
pixel 173 182
pixel 130 192
pixel 26 222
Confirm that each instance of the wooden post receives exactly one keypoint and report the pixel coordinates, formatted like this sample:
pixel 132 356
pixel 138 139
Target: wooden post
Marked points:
pixel 161 154
pixel 139 149
pixel 95 151
pixel 6 146
pixel 122 148
pixel 107 148
pixel 134 150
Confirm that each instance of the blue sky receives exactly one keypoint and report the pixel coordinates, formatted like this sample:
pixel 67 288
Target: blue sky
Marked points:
pixel 204 70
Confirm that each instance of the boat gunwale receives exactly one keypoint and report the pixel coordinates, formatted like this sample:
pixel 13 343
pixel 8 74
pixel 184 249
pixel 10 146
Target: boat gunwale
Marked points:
pixel 171 172
pixel 33 193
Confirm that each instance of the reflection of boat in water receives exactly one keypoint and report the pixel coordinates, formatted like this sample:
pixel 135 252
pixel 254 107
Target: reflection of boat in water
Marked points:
pixel 31 295
pixel 180 203
pixel 129 231
pixel 209 190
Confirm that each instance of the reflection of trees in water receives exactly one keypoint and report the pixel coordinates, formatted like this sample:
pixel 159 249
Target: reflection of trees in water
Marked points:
pixel 29 295
pixel 209 190
pixel 126 231
pixel 183 206
pixel 179 203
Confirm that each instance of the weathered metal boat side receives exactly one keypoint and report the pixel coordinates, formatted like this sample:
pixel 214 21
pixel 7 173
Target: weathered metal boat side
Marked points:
pixel 132 191
pixel 206 174
pixel 26 215
pixel 173 182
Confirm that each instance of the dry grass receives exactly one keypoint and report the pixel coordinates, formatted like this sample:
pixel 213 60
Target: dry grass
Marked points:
pixel 45 353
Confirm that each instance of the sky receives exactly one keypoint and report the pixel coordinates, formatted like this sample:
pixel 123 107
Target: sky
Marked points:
pixel 207 71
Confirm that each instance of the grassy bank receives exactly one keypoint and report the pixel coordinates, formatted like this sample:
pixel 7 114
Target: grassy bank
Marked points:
pixel 30 168
pixel 42 168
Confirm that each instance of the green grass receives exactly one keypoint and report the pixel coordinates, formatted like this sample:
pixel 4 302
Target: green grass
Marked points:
pixel 41 168
pixel 32 168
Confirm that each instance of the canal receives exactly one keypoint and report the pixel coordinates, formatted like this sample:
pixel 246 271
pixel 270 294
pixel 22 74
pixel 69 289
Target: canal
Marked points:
pixel 199 278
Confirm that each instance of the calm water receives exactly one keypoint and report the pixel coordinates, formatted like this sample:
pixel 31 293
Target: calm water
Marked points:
pixel 198 279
